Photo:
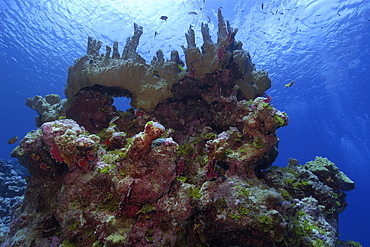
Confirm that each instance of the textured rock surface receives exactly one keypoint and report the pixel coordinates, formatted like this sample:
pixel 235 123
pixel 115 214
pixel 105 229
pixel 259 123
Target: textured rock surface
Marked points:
pixel 49 108
pixel 329 174
pixel 315 201
pixel 97 110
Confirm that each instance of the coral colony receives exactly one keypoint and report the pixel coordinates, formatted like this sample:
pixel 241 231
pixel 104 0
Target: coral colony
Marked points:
pixel 190 165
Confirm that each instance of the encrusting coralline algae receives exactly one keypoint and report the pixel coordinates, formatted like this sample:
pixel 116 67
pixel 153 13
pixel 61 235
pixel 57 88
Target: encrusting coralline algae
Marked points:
pixel 191 166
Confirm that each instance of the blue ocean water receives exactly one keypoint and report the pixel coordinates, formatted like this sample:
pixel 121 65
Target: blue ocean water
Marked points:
pixel 323 46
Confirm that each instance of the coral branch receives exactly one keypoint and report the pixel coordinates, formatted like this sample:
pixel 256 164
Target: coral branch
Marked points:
pixel 93 46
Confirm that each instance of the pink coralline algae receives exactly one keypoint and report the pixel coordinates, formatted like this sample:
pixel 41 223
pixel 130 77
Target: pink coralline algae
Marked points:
pixel 69 143
pixel 141 143
pixel 195 170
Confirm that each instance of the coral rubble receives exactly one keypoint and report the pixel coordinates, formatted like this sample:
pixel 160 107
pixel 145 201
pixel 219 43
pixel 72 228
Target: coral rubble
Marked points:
pixel 12 188
pixel 190 166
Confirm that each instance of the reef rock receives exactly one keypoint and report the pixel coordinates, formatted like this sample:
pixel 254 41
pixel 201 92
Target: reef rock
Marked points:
pixel 149 84
pixel 226 53
pixel 146 84
pixel 195 170
pixel 329 174
pixel 12 188
pixel 49 108
pixel 315 200
pixel 97 109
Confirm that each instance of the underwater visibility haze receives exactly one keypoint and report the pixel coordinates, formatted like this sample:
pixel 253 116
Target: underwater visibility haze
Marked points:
pixel 315 52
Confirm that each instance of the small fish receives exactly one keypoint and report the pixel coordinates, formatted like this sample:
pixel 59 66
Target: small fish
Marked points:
pixel 289 84
pixel 193 13
pixel 155 33
pixel 208 18
pixel 180 67
pixel 163 17
pixel 113 120
pixel 262 6
pixel 13 140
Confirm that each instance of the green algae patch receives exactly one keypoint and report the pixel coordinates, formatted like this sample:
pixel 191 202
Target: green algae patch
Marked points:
pixel 194 192
pixel 147 208
pixel 329 174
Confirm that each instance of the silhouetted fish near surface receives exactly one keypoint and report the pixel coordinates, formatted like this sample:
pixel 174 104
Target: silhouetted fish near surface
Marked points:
pixel 13 140
pixel 163 17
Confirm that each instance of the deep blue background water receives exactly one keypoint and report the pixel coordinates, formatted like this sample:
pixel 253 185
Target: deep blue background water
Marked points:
pixel 324 46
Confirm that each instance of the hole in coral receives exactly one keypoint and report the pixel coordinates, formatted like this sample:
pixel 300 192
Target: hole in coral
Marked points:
pixel 122 103
pixel 122 96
